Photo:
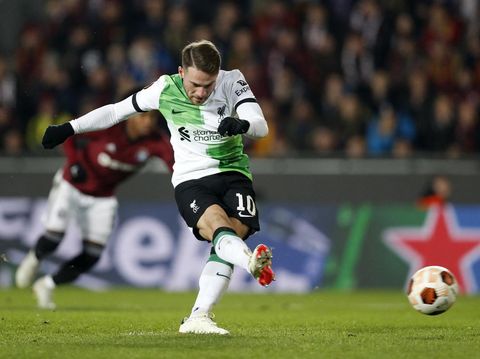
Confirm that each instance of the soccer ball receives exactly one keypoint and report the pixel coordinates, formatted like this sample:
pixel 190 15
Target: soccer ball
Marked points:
pixel 432 290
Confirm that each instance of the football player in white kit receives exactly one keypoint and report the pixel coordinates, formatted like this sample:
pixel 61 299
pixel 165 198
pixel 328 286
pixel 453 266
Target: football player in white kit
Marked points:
pixel 207 111
pixel 84 191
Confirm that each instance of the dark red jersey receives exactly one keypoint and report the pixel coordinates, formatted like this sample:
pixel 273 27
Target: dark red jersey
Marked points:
pixel 109 157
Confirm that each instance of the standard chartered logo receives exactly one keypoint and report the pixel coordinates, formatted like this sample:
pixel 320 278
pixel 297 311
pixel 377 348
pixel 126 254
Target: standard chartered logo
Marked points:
pixel 198 135
pixel 206 136
pixel 184 134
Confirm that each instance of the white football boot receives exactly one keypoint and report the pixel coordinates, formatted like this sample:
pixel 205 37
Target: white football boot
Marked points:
pixel 43 290
pixel 27 270
pixel 260 265
pixel 201 324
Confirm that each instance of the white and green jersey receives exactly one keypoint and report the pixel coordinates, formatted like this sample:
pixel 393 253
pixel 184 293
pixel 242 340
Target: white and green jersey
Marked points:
pixel 199 149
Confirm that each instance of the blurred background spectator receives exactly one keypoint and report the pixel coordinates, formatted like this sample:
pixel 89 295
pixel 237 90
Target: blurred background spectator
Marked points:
pixel 437 192
pixel 348 78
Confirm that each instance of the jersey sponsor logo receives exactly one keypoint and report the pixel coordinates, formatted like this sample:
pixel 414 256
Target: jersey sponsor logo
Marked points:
pixel 176 112
pixel 199 135
pixel 184 133
pixel 242 90
pixel 194 206
pixel 206 135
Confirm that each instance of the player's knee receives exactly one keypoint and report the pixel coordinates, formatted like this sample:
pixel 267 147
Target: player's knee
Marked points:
pixel 241 229
pixel 215 214
pixel 214 217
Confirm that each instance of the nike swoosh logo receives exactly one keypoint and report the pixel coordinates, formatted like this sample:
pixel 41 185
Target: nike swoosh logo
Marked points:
pixel 223 275
pixel 175 112
pixel 245 215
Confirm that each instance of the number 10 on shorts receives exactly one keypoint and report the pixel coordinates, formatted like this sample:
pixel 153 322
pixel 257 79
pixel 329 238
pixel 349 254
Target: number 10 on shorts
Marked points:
pixel 246 206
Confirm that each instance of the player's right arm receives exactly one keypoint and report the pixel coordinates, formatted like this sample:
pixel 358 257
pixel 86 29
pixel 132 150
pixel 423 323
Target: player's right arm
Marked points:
pixel 105 116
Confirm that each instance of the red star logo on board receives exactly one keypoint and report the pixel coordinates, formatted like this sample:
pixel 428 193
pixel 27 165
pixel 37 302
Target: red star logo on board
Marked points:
pixel 440 241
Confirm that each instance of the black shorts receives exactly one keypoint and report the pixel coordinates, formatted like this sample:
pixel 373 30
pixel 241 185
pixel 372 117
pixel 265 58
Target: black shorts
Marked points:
pixel 230 190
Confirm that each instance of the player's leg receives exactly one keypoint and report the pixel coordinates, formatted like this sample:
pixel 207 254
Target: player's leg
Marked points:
pixel 201 205
pixel 68 272
pixel 216 226
pixel 213 282
pixel 221 208
pixel 239 204
pixel 96 217
pixel 82 263
pixel 29 265
pixel 55 219
pixel 231 248
pixel 47 244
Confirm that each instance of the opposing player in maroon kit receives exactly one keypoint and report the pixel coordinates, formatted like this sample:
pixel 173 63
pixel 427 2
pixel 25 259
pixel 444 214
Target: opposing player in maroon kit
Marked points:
pixel 84 190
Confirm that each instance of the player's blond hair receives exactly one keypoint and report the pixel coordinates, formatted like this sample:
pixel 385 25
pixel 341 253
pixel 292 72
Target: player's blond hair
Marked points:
pixel 202 55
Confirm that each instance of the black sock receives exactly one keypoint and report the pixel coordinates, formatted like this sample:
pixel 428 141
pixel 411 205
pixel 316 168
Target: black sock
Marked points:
pixel 82 263
pixel 47 244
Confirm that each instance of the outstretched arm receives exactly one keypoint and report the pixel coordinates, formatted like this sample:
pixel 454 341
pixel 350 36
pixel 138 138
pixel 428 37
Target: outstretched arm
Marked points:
pixel 106 116
pixel 99 119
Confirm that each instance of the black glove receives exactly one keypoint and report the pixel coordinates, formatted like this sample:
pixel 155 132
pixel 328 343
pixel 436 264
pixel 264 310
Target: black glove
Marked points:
pixel 56 134
pixel 78 173
pixel 231 126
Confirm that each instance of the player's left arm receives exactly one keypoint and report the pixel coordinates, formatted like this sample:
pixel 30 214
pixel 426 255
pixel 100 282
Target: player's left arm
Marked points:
pixel 252 113
pixel 250 120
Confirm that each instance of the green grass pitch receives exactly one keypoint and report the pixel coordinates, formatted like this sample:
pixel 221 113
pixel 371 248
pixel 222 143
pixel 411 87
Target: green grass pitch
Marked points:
pixel 135 323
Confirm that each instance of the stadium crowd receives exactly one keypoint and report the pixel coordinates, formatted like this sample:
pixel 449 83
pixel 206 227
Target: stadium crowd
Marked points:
pixel 334 77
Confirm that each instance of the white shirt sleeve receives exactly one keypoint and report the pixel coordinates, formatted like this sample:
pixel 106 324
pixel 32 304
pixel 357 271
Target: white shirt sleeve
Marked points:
pixel 107 116
pixel 104 117
pixel 148 98
pixel 246 106
pixel 252 112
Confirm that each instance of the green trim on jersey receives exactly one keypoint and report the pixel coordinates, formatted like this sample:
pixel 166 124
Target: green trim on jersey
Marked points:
pixel 175 105
pixel 230 156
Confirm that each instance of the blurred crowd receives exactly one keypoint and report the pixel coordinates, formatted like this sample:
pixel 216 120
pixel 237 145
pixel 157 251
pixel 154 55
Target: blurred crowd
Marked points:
pixel 334 77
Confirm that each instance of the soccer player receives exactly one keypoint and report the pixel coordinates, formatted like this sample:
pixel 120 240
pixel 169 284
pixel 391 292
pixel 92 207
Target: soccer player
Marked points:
pixel 207 111
pixel 83 190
